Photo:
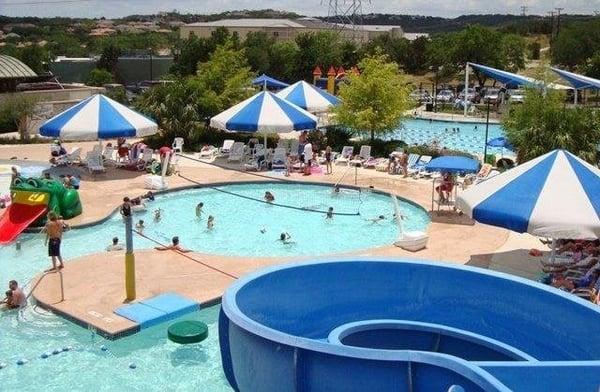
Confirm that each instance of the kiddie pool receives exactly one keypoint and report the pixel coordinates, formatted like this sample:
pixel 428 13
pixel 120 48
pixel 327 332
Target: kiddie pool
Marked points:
pixel 404 325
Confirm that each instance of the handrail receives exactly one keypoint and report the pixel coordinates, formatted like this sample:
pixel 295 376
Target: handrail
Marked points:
pixel 46 273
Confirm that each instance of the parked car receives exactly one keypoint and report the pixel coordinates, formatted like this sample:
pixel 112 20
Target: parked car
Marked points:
pixel 471 95
pixel 491 95
pixel 420 96
pixel 445 96
pixel 516 96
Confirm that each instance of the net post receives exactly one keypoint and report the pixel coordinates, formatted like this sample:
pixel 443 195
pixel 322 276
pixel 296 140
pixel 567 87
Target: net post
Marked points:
pixel 129 260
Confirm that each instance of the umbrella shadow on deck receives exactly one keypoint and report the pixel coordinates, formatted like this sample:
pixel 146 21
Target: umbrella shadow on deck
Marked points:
pixel 515 262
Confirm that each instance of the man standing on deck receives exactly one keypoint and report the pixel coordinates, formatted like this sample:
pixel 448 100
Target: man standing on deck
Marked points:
pixel 54 230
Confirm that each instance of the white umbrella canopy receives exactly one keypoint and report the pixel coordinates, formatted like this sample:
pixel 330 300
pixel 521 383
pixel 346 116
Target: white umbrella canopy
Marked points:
pixel 556 195
pixel 98 117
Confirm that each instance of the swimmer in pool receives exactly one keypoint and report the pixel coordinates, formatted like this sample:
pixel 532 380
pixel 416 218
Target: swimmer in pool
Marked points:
pixel 157 215
pixel 269 197
pixel 174 246
pixel 199 210
pixel 210 223
pixel 336 191
pixel 140 226
pixel 329 214
pixel 286 238
pixel 377 219
pixel 263 230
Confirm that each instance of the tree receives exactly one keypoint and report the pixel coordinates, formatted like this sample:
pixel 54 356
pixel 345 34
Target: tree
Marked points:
pixel 375 101
pixel 19 108
pixel 512 52
pixel 99 77
pixel 258 49
pixel 592 66
pixel 109 58
pixel 477 44
pixel 321 48
pixel 542 124
pixel 173 107
pixel 189 53
pixel 224 80
pixel 35 57
pixel 283 57
pixel 576 43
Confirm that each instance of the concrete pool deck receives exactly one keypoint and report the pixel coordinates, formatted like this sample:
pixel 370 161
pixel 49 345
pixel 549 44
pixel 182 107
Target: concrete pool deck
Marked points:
pixel 452 238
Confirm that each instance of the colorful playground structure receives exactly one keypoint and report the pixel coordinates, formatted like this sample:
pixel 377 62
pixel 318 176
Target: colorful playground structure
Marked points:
pixel 404 325
pixel 31 199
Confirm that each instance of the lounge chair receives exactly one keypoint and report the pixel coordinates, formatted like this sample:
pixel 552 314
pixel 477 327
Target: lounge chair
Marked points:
pixel 208 152
pixel 237 152
pixel 226 149
pixel 146 159
pixel 279 159
pixel 94 164
pixel 294 145
pixel 108 154
pixel 382 165
pixel 177 145
pixel 346 155
pixel 363 156
pixel 372 163
pixel 70 158
pixel 418 169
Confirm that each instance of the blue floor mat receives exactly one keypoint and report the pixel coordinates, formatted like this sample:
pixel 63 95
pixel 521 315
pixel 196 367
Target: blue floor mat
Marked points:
pixel 158 309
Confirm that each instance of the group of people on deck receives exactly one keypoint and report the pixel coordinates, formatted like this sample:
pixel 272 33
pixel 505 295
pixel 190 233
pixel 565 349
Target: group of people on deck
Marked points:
pixel 576 268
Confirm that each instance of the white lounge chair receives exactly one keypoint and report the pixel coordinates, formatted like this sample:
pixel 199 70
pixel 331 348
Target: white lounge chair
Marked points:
pixel 70 158
pixel 108 154
pixel 237 152
pixel 418 169
pixel 94 164
pixel 345 156
pixel 363 156
pixel 208 152
pixel 177 145
pixel 279 159
pixel 294 145
pixel 226 148
pixel 146 159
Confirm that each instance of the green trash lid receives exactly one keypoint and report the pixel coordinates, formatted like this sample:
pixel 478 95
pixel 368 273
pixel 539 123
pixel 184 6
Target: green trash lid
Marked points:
pixel 189 331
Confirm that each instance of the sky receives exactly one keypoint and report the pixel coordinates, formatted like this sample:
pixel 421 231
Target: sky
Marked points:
pixel 446 8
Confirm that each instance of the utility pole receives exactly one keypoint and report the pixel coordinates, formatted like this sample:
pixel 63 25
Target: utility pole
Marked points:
pixel 551 14
pixel 558 10
pixel 524 10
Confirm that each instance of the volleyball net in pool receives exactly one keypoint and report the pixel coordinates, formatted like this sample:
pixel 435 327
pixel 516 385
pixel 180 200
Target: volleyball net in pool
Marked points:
pixel 343 200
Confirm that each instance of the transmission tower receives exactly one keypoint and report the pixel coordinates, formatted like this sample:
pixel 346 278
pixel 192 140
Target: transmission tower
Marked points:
pixel 346 17
pixel 524 10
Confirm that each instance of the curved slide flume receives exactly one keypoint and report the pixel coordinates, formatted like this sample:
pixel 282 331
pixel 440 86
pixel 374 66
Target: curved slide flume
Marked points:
pixel 17 218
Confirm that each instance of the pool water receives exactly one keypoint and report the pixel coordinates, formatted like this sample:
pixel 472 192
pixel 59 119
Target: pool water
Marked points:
pixel 160 363
pixel 470 138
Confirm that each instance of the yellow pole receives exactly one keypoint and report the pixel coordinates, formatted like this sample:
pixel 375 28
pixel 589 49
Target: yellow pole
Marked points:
pixel 129 259
pixel 331 80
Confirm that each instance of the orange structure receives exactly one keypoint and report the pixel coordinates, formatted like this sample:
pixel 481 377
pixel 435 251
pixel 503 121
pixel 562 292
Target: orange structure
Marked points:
pixel 317 73
pixel 331 80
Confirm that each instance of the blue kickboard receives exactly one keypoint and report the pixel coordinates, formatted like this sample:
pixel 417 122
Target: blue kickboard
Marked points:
pixel 155 310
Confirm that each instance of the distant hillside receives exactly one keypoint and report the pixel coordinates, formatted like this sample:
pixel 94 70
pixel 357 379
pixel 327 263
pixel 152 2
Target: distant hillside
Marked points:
pixel 432 24
pixel 411 23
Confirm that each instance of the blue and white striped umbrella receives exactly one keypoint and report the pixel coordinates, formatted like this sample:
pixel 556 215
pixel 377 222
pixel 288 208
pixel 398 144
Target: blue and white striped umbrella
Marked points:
pixel 98 117
pixel 309 97
pixel 264 112
pixel 556 195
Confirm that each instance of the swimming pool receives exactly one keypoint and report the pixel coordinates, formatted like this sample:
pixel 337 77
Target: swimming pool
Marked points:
pixel 237 232
pixel 470 137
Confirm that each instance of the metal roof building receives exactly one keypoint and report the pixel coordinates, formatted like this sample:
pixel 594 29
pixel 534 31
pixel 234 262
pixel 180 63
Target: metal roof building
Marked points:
pixel 13 72
pixel 282 29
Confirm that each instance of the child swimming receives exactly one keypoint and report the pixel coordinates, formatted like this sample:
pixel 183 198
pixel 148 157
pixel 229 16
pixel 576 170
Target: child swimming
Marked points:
pixel 210 223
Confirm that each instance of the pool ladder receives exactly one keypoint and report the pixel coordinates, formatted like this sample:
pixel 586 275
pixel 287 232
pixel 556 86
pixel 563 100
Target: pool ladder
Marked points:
pixel 62 286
